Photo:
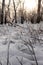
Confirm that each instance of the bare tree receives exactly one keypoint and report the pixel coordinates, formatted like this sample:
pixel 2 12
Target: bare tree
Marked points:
pixel 22 15
pixel 7 12
pixel 38 11
pixel 15 10
pixel 3 12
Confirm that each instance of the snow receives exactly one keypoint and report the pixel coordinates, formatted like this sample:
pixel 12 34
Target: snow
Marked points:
pixel 19 51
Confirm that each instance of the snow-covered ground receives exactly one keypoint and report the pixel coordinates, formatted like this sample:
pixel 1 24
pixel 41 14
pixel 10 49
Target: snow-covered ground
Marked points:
pixel 15 44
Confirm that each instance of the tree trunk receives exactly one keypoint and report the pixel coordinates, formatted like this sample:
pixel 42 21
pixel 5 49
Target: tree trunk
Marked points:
pixel 38 12
pixel 3 12
pixel 15 17
pixel 22 15
pixel 7 12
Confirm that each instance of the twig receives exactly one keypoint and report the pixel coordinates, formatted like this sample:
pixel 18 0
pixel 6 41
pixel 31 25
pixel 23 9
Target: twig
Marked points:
pixel 20 61
pixel 0 63
pixel 8 54
pixel 29 43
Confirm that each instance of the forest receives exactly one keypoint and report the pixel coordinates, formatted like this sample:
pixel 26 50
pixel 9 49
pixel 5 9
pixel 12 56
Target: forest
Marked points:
pixel 21 32
pixel 17 11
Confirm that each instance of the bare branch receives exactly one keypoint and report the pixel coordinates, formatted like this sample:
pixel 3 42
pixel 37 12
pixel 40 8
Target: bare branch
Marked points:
pixel 0 63
pixel 20 61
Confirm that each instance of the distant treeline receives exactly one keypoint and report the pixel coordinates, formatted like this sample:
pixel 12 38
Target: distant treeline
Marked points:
pixel 5 16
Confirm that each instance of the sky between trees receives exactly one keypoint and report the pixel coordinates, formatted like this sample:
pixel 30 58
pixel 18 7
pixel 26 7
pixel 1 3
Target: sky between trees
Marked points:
pixel 29 5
